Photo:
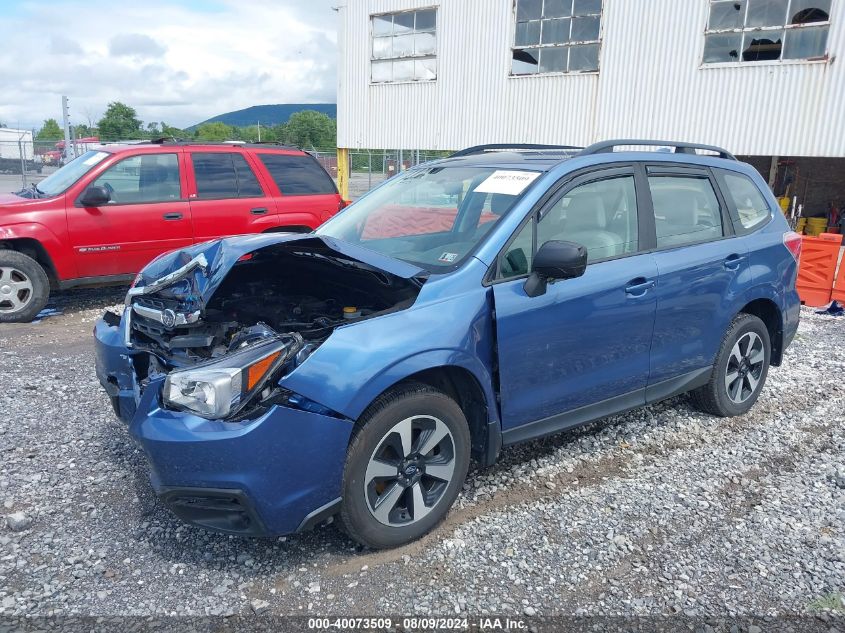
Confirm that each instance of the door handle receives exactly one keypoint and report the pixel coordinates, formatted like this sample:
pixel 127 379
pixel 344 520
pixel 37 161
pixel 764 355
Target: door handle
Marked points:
pixel 172 216
pixel 639 286
pixel 733 261
pixel 258 211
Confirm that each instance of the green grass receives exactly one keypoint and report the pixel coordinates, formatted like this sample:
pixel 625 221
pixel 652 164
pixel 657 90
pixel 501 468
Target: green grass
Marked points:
pixel 832 601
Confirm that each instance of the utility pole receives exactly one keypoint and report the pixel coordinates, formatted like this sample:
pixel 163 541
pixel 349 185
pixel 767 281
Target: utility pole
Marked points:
pixel 69 154
pixel 259 130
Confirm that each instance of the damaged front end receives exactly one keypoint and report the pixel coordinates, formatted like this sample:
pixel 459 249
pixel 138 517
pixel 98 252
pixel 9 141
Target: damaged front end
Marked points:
pixel 222 322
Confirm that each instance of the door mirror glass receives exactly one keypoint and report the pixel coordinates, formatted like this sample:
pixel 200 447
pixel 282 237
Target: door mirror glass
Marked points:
pixel 555 259
pixel 95 196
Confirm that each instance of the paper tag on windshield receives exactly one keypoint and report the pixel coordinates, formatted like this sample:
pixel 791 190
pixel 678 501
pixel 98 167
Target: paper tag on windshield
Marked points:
pixel 508 182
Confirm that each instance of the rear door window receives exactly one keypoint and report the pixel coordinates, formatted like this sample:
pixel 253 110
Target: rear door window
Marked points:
pixel 298 175
pixel 224 175
pixel 686 210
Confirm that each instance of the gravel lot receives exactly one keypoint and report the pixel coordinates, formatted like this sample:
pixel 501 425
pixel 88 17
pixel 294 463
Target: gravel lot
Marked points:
pixel 659 511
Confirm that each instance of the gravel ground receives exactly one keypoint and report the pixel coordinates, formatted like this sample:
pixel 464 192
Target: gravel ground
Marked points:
pixel 660 511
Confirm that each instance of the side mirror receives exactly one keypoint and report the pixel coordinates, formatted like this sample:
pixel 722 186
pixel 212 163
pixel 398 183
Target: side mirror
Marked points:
pixel 95 196
pixel 555 259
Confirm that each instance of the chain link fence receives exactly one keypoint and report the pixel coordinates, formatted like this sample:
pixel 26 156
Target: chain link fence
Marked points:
pixel 371 167
pixel 24 161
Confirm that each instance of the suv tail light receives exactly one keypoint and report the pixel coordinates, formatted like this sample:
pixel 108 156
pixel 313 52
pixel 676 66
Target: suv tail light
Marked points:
pixel 792 241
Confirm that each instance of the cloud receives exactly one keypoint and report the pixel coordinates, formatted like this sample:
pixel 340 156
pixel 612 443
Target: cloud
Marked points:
pixel 195 60
pixel 135 45
pixel 61 45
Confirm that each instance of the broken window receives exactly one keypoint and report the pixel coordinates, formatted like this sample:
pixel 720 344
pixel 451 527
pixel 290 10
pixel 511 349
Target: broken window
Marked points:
pixel 404 46
pixel 556 36
pixel 766 30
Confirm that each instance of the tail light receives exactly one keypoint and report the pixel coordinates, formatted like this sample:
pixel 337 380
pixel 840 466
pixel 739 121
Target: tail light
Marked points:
pixel 792 241
pixel 343 204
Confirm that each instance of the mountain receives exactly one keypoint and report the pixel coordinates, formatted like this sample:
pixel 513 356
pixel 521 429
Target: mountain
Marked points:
pixel 268 114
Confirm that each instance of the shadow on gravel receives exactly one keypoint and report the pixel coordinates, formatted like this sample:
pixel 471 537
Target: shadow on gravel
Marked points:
pixel 70 301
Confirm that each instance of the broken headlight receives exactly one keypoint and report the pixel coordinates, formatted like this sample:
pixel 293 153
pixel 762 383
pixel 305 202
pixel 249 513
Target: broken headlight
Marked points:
pixel 223 387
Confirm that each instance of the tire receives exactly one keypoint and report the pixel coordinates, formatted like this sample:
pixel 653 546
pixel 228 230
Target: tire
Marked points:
pixel 24 287
pixel 390 498
pixel 740 370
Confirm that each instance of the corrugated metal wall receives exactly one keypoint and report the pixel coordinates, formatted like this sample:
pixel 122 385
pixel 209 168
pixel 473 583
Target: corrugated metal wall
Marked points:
pixel 651 84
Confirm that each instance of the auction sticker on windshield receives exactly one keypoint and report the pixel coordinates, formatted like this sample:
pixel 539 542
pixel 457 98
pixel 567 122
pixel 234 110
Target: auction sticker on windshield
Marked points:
pixel 508 182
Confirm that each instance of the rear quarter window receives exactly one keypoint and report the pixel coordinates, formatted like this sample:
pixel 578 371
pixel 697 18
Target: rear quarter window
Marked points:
pixel 298 175
pixel 751 207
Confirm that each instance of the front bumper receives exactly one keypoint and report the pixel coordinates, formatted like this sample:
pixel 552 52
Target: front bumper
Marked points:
pixel 274 474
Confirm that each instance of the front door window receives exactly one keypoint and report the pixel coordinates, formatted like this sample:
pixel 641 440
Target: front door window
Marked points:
pixel 143 179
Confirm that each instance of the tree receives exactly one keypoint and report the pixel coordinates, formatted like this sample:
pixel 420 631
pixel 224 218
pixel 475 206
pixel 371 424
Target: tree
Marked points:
pixel 119 122
pixel 216 131
pixel 250 133
pixel 175 132
pixel 50 131
pixel 84 131
pixel 309 128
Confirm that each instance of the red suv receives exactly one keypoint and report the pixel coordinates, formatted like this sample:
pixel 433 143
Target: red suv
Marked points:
pixel 104 216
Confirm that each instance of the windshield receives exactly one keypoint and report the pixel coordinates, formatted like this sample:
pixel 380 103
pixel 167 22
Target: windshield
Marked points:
pixel 432 217
pixel 58 181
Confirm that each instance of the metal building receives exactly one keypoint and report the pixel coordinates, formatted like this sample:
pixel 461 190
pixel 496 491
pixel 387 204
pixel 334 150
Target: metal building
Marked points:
pixel 760 77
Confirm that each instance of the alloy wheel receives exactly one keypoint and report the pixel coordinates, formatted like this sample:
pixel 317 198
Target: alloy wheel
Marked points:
pixel 410 470
pixel 745 366
pixel 16 290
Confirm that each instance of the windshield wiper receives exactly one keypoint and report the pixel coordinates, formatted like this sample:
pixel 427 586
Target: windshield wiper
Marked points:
pixel 32 191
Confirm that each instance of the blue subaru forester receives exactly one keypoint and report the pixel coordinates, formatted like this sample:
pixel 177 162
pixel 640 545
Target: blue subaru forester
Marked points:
pixel 499 295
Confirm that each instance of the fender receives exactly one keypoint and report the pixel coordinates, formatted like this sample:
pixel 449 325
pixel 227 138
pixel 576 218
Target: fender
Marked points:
pixel 432 359
pixel 294 218
pixel 60 255
pixel 788 310
pixel 762 291
pixel 378 353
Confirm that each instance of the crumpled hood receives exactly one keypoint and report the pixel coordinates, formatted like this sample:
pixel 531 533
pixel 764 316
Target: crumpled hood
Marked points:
pixel 221 255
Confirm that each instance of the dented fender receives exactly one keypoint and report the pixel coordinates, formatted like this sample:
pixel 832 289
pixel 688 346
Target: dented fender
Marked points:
pixel 360 361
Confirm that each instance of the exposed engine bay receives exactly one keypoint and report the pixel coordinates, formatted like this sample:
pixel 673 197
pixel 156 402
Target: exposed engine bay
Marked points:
pixel 285 288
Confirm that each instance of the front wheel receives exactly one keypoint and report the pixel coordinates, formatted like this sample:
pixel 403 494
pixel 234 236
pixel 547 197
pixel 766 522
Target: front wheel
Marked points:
pixel 740 370
pixel 24 287
pixel 405 466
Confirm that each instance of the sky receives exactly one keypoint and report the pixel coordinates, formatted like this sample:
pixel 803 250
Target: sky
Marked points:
pixel 178 61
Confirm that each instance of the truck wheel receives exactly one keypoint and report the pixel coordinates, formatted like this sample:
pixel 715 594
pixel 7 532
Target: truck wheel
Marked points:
pixel 740 370
pixel 405 466
pixel 24 287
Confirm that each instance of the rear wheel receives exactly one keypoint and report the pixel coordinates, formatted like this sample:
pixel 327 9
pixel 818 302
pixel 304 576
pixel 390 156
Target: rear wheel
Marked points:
pixel 740 370
pixel 24 287
pixel 405 466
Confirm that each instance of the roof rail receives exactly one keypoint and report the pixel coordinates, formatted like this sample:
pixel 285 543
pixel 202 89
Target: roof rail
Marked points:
pixel 604 147
pixel 172 140
pixel 519 147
